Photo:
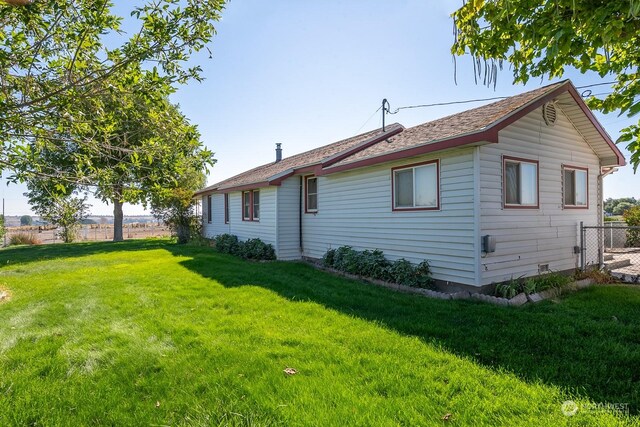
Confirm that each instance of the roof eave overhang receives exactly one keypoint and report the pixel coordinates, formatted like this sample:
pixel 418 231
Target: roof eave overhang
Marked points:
pixel 487 136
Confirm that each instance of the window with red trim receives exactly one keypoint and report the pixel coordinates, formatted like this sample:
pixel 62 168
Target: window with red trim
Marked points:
pixel 575 187
pixel 416 186
pixel 251 205
pixel 520 182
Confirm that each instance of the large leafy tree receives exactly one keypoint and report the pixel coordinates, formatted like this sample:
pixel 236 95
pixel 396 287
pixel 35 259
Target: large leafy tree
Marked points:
pixel 56 53
pixel 544 38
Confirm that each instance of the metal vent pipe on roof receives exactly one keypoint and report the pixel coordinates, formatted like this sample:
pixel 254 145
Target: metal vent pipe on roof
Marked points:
pixel 278 152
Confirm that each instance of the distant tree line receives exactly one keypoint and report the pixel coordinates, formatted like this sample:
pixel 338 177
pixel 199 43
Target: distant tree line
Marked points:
pixel 619 206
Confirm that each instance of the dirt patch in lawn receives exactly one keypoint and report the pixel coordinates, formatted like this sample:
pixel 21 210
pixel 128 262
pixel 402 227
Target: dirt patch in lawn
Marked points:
pixel 5 294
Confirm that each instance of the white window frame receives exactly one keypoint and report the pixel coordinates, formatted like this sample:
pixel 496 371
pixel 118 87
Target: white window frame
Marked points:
pixel 519 161
pixel 431 163
pixel 574 169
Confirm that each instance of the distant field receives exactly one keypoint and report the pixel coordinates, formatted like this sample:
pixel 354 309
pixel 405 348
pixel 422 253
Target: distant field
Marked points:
pixel 94 232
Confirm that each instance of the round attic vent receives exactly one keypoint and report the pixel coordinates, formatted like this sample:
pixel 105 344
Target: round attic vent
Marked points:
pixel 549 113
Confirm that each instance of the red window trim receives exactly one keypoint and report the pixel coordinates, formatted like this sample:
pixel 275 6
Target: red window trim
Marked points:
pixel 306 195
pixel 413 165
pixel 505 205
pixel 250 218
pixel 226 208
pixel 571 167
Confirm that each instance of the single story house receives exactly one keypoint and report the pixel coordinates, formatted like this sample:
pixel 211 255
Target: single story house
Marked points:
pixel 486 195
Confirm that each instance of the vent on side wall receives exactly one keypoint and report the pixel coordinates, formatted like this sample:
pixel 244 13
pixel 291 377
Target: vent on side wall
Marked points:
pixel 549 113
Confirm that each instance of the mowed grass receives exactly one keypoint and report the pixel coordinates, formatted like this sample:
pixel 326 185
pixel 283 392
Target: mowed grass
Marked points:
pixel 150 333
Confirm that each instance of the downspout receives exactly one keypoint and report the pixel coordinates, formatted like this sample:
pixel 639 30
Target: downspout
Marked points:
pixel 300 217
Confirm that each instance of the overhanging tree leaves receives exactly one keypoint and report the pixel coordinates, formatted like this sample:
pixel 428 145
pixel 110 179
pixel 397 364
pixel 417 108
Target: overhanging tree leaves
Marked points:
pixel 543 38
pixel 53 53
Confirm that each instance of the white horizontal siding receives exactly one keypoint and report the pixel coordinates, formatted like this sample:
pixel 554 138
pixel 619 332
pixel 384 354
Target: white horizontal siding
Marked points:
pixel 526 238
pixel 264 229
pixel 288 219
pixel 355 209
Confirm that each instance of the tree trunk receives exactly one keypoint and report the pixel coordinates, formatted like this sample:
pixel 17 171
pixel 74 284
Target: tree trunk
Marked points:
pixel 117 218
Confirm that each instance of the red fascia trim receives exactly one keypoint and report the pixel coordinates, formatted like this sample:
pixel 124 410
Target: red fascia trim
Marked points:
pixel 305 169
pixel 393 204
pixel 253 186
pixel 504 193
pixel 363 145
pixel 490 135
pixel 575 168
pixel 583 106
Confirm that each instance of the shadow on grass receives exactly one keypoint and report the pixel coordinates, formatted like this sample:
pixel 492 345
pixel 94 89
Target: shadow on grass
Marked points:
pixel 26 254
pixel 589 343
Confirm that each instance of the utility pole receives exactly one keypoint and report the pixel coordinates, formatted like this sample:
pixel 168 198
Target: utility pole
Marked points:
pixel 385 109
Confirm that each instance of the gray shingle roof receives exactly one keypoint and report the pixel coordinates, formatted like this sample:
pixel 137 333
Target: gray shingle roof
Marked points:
pixel 396 139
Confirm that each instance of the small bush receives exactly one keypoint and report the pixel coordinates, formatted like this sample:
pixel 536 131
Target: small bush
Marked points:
pixel 632 218
pixel 227 243
pixel 254 249
pixel 374 265
pixel 328 258
pixel 512 288
pixel 24 239
pixel 599 276
pixel 531 285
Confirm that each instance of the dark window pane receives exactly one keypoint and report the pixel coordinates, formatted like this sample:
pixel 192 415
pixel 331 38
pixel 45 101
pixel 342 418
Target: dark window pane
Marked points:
pixel 512 183
pixel 569 188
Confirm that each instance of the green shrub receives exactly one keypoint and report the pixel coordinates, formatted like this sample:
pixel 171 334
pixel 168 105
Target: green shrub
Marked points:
pixel 328 259
pixel 509 289
pixel 227 243
pixel 632 218
pixel 374 265
pixel 531 285
pixel 24 239
pixel 254 249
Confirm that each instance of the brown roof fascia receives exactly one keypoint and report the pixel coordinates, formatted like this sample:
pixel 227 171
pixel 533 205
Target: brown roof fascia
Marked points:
pixel 363 145
pixel 253 186
pixel 490 135
pixel 587 112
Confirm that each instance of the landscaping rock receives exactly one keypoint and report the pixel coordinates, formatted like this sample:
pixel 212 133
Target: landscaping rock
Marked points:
pixel 433 294
pixel 490 299
pixel 519 300
pixel 584 283
pixel 549 293
pixel 461 295
pixel 534 298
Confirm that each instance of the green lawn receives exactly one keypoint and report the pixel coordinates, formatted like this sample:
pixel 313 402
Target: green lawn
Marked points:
pixel 148 333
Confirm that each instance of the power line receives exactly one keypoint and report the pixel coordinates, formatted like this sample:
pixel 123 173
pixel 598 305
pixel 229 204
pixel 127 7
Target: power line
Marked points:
pixel 437 104
pixel 370 117
pixel 597 84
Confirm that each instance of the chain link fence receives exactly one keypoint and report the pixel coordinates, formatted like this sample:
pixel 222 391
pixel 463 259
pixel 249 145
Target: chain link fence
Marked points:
pixel 614 246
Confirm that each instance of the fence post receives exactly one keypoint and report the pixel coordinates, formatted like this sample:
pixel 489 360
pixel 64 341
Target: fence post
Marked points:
pixel 582 248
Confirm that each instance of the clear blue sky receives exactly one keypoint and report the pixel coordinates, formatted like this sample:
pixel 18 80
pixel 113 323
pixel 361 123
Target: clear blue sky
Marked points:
pixel 309 73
